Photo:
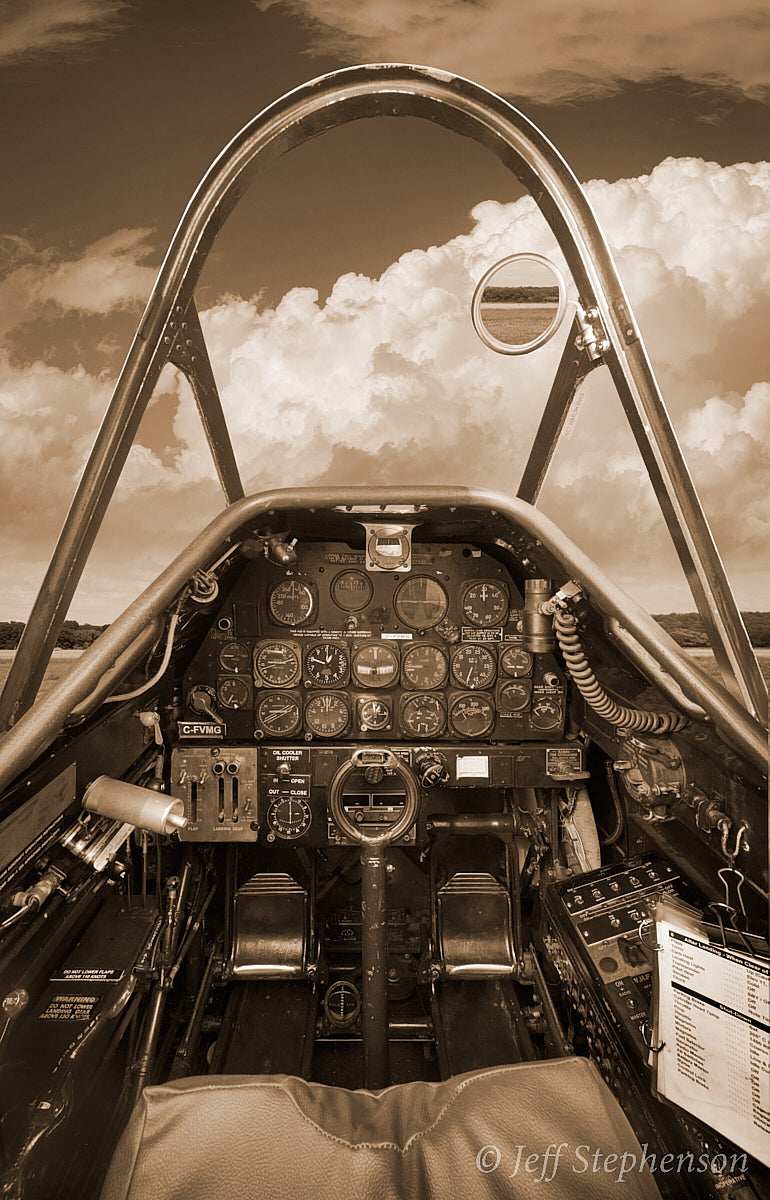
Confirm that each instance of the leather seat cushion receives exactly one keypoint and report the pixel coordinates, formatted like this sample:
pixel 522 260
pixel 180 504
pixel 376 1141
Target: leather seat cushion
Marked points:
pixel 248 1137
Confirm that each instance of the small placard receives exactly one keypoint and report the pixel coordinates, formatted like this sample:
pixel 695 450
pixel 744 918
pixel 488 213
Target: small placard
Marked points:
pixel 200 729
pixel 88 975
pixel 472 766
pixel 70 1008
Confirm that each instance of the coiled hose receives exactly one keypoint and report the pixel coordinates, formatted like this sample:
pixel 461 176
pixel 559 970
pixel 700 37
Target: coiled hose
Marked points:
pixel 633 719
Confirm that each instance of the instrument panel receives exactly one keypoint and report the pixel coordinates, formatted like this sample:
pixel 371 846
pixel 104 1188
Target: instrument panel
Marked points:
pixel 324 649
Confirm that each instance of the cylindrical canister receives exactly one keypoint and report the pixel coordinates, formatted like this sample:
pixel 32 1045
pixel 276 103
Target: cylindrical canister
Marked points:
pixel 537 626
pixel 137 806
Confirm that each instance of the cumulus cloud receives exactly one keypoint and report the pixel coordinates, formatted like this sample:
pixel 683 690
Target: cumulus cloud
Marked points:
pixel 387 382
pixel 553 50
pixel 108 274
pixel 31 26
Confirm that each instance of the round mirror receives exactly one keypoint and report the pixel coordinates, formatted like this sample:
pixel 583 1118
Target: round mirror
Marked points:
pixel 519 303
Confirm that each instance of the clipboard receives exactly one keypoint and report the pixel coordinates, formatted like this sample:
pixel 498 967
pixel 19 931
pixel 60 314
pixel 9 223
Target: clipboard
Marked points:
pixel 710 1025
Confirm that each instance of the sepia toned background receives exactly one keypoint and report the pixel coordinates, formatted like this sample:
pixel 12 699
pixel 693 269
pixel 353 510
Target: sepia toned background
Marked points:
pixel 336 302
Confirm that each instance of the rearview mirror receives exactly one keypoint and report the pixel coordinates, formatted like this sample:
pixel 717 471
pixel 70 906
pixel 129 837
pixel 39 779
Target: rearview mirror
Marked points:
pixel 519 303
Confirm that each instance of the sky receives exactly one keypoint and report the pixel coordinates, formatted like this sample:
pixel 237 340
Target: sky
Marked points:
pixel 336 301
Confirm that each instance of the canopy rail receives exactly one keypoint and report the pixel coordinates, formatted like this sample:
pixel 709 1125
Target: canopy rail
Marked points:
pixel 472 111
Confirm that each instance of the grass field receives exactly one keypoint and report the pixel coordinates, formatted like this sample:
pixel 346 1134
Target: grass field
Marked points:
pixel 517 324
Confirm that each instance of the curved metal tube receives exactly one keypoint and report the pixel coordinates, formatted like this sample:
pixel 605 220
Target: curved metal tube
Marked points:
pixel 35 730
pixel 472 111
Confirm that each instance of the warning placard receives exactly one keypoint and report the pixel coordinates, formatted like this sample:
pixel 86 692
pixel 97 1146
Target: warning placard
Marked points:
pixel 70 1008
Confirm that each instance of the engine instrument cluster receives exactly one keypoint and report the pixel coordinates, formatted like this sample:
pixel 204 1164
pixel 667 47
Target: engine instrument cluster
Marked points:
pixel 324 649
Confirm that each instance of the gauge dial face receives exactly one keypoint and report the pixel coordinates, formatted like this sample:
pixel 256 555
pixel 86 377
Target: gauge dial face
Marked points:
pixel 291 602
pixel 375 665
pixel 235 657
pixel 327 664
pixel 351 590
pixel 327 715
pixel 474 666
pixel 342 1003
pixel 425 667
pixel 423 715
pixel 421 602
pixel 471 716
pixel 485 604
pixel 373 713
pixel 515 661
pixel 289 817
pixel 514 696
pixel 279 714
pixel 546 713
pixel 277 664
pixel 233 692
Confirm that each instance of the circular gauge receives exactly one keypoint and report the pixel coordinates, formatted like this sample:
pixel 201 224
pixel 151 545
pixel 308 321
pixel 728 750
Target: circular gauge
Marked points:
pixel 279 714
pixel 375 665
pixel 423 715
pixel 236 657
pixel 233 693
pixel 327 714
pixel 471 716
pixel 342 1003
pixel 291 602
pixel 421 602
pixel 425 666
pixel 514 696
pixel 289 817
pixel 277 664
pixel 373 714
pixel 515 661
pixel 485 604
pixel 327 664
pixel 546 713
pixel 351 590
pixel 474 666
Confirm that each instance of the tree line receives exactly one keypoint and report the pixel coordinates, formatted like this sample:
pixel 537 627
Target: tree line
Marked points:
pixel 73 636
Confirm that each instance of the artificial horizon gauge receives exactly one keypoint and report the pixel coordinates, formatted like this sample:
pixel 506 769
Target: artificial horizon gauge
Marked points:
pixel 351 590
pixel 471 716
pixel 289 817
pixel 235 657
pixel 279 714
pixel 327 714
pixel 277 664
pixel 516 661
pixel 425 666
pixel 327 663
pixel 375 665
pixel 291 602
pixel 423 715
pixel 420 602
pixel 474 665
pixel 485 604
pixel 373 713
pixel 233 692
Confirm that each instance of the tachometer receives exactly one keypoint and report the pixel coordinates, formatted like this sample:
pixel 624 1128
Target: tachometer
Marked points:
pixel 277 664
pixel 471 716
pixel 351 590
pixel 473 665
pixel 279 714
pixel 425 666
pixel 375 665
pixel 423 715
pixel 421 602
pixel 291 602
pixel 327 714
pixel 485 604
pixel 327 663
pixel 235 657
